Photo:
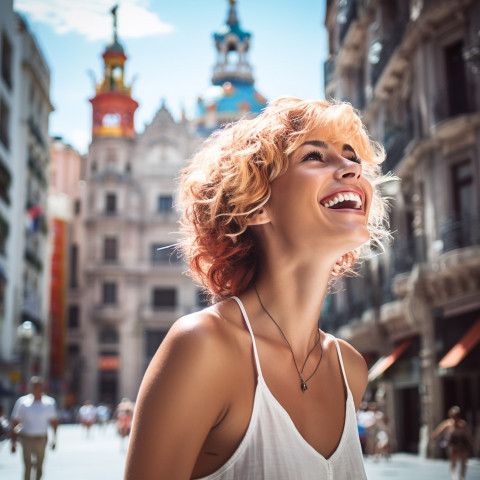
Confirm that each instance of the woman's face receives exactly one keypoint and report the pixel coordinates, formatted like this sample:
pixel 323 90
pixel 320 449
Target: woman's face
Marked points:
pixel 323 200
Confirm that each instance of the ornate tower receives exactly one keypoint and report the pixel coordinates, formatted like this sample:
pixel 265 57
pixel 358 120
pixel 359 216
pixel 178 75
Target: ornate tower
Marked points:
pixel 232 94
pixel 113 106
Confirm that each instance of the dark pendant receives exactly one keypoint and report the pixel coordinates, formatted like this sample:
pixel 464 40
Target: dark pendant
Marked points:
pixel 303 386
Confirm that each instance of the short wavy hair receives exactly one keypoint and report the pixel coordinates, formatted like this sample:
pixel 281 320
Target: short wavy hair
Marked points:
pixel 230 178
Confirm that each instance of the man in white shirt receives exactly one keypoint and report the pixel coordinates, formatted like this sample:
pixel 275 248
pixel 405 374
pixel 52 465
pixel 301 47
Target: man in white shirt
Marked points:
pixel 30 419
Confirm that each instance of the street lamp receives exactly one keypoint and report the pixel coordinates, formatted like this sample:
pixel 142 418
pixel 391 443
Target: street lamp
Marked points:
pixel 26 332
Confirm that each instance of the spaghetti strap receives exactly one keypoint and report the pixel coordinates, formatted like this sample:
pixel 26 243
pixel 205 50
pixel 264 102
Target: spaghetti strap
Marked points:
pixel 340 359
pixel 247 323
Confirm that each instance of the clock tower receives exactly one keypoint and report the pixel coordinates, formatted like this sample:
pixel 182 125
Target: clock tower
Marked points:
pixel 113 106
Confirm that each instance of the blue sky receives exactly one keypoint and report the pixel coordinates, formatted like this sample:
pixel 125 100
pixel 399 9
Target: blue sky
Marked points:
pixel 170 52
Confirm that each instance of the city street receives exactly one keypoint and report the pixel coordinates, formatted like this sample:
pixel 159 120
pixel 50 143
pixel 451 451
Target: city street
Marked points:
pixel 102 457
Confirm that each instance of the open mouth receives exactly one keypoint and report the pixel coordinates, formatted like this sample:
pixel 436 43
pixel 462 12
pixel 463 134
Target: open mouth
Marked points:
pixel 344 200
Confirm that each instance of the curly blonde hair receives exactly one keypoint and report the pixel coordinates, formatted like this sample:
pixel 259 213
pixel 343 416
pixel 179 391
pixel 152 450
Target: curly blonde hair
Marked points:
pixel 230 178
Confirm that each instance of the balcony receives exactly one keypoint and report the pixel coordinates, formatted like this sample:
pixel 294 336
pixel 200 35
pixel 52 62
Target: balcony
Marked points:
pixel 460 233
pixel 36 168
pixel 328 71
pixel 404 253
pixel 395 140
pixel 347 13
pixel 107 311
pixel 446 106
pixel 381 50
pixel 35 131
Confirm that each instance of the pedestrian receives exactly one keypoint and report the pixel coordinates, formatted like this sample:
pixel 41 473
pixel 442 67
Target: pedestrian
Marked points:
pixel 31 416
pixel 87 416
pixel 123 417
pixel 103 414
pixel 273 209
pixel 457 440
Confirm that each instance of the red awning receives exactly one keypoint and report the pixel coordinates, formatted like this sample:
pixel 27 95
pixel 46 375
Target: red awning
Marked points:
pixel 385 362
pixel 464 345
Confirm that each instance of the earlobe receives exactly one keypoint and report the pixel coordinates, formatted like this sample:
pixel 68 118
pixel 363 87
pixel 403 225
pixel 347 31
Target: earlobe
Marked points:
pixel 259 217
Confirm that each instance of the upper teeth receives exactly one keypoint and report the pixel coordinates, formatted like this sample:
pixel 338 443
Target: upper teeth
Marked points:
pixel 342 197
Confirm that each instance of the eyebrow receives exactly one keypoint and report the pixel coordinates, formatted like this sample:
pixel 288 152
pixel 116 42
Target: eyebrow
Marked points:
pixel 316 143
pixel 322 144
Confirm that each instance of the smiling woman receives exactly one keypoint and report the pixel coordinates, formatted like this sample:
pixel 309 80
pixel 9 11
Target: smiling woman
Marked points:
pixel 250 387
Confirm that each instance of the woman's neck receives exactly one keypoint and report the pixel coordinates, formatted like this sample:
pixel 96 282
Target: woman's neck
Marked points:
pixel 293 295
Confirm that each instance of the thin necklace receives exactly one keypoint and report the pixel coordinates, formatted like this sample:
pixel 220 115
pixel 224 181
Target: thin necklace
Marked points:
pixel 303 382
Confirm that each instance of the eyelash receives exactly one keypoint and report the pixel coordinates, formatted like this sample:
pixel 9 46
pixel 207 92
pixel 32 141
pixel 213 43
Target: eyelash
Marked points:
pixel 313 156
pixel 319 157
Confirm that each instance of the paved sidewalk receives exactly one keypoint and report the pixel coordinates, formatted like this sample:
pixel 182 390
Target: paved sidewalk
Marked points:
pixel 102 457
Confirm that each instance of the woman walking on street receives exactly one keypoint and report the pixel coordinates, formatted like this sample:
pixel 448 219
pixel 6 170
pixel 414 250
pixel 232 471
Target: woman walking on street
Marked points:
pixel 274 208
pixel 458 440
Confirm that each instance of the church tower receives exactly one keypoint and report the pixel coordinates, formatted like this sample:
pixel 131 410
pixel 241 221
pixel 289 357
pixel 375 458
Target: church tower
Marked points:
pixel 113 106
pixel 232 94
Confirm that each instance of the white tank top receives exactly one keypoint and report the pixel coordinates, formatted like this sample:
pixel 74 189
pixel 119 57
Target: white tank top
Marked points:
pixel 273 448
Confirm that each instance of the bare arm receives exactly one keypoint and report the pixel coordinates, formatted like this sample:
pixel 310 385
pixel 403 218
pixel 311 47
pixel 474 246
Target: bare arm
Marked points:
pixel 181 398
pixel 440 429
pixel 13 433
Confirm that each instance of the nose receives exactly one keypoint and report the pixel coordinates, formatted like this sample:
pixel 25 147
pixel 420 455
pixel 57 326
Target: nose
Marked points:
pixel 348 170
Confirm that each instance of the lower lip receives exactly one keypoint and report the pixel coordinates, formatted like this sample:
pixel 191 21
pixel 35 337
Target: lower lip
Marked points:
pixel 346 210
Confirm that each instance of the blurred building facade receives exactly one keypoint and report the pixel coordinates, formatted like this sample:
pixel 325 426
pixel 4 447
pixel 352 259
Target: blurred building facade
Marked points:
pixel 66 188
pixel 125 288
pixel 412 69
pixel 24 111
pixel 232 94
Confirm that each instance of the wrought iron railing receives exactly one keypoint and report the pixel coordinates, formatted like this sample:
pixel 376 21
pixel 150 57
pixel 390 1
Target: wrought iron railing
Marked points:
pixel 395 141
pixel 328 70
pixel 347 13
pixel 448 105
pixel 460 232
pixel 382 49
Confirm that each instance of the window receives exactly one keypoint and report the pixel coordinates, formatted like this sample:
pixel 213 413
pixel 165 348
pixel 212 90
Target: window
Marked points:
pixel 73 319
pixel 456 79
pixel 73 270
pixel 164 203
pixel 108 335
pixel 153 339
pixel 77 206
pixel 462 189
pixel 109 293
pixel 160 254
pixel 4 230
pixel 164 298
pixel 6 61
pixel 111 204
pixel 5 181
pixel 110 249
pixel 4 124
pixel 202 298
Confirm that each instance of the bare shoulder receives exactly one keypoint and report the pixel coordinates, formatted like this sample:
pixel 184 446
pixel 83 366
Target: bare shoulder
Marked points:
pixel 179 396
pixel 202 336
pixel 355 370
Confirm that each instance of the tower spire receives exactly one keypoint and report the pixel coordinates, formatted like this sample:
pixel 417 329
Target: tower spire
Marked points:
pixel 113 106
pixel 232 15
pixel 113 11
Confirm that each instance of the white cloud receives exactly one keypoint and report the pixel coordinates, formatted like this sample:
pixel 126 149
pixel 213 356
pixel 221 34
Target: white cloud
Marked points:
pixel 92 18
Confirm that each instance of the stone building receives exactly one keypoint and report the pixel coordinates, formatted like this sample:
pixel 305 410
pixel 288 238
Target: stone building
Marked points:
pixel 125 291
pixel 66 188
pixel 412 69
pixel 129 285
pixel 24 111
